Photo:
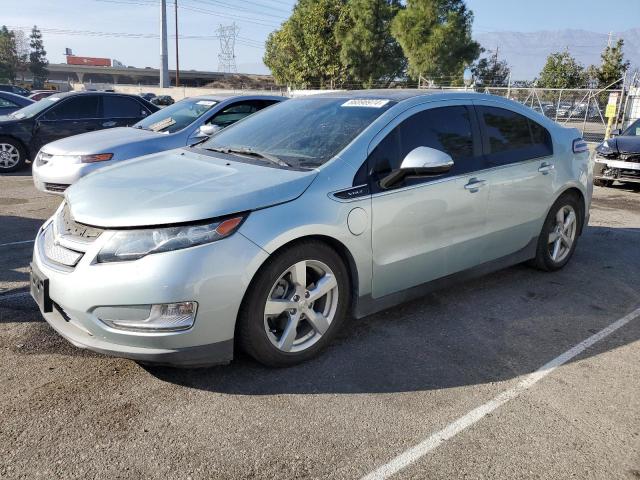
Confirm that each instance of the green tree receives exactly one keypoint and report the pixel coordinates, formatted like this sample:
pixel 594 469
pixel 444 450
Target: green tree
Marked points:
pixel 370 54
pixel 38 58
pixel 8 55
pixel 491 72
pixel 435 36
pixel 613 66
pixel 305 50
pixel 561 71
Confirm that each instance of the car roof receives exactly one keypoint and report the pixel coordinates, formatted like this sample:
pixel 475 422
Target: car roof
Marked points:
pixel 221 97
pixel 10 95
pixel 401 94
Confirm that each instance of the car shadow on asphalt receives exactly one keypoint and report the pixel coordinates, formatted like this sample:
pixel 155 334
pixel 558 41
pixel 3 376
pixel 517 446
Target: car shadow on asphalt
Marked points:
pixel 491 329
pixel 15 257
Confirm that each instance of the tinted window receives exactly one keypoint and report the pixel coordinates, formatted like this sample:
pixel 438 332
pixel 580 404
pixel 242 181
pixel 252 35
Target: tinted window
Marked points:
pixel 121 107
pixel 6 103
pixel 632 130
pixel 448 129
pixel 233 113
pixel 512 137
pixel 79 107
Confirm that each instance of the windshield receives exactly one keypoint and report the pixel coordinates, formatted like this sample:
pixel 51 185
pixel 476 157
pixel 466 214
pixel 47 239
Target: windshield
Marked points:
pixel 632 130
pixel 35 108
pixel 177 116
pixel 303 133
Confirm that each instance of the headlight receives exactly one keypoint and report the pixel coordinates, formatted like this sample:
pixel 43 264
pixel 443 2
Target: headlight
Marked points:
pixel 134 244
pixel 44 158
pixel 604 149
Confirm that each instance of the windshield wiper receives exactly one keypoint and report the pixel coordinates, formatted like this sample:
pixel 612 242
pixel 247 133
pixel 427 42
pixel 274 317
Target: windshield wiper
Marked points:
pixel 251 153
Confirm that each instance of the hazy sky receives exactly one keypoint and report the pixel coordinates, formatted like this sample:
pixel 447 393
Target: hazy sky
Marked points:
pixel 255 19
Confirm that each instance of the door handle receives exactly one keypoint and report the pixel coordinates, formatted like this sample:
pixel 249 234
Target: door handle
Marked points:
pixel 545 168
pixel 474 185
pixel 110 123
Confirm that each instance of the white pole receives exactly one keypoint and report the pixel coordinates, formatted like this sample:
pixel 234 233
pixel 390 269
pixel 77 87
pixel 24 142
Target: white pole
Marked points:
pixel 164 58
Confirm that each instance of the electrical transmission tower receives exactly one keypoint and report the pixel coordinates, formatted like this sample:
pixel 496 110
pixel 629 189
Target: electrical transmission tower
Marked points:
pixel 227 55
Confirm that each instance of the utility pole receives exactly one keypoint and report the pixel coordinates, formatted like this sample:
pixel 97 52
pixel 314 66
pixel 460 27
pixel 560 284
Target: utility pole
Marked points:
pixel 175 4
pixel 164 60
pixel 227 55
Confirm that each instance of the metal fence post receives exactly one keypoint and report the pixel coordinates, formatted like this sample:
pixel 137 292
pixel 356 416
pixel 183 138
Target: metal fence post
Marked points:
pixel 558 107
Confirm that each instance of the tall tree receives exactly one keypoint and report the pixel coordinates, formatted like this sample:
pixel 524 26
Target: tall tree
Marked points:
pixel 435 36
pixel 369 52
pixel 613 66
pixel 22 51
pixel 491 72
pixel 38 58
pixel 305 50
pixel 8 55
pixel 561 71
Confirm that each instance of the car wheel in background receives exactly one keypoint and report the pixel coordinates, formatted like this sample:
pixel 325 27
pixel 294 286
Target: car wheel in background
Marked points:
pixel 295 305
pixel 602 183
pixel 559 235
pixel 12 155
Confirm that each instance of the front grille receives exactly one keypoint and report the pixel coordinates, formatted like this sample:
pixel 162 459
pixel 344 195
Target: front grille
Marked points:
pixel 67 226
pixel 56 187
pixel 57 253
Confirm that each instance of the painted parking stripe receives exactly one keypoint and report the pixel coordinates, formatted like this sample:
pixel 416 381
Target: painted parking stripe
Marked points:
pixel 414 454
pixel 16 243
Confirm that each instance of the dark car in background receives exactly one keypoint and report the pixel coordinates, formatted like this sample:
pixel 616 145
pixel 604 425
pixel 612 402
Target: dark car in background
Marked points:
pixel 25 131
pixel 163 100
pixel 10 102
pixel 40 94
pixel 148 96
pixel 618 158
pixel 6 87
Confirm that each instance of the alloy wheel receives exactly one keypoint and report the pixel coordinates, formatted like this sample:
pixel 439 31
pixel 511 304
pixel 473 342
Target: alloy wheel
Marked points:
pixel 9 155
pixel 563 233
pixel 301 306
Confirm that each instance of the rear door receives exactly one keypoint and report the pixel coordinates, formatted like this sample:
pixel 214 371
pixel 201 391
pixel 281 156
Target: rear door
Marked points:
pixel 519 154
pixel 70 116
pixel 427 227
pixel 121 111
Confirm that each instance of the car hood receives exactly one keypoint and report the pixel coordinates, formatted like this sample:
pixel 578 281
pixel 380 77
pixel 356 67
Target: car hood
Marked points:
pixel 102 141
pixel 627 144
pixel 178 186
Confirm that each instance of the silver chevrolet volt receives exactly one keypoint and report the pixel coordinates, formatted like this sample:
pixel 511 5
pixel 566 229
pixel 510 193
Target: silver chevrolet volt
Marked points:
pixel 318 210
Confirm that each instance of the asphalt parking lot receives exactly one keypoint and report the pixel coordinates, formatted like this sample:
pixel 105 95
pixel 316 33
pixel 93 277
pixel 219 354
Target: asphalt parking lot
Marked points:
pixel 388 383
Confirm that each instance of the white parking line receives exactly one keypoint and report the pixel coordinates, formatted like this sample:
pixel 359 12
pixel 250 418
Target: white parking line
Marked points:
pixel 14 295
pixel 16 243
pixel 413 454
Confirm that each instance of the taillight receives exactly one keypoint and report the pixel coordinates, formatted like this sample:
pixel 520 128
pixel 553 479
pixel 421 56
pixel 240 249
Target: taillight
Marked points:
pixel 580 146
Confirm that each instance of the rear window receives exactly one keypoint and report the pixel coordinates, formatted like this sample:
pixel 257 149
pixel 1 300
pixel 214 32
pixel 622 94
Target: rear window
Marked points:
pixel 121 107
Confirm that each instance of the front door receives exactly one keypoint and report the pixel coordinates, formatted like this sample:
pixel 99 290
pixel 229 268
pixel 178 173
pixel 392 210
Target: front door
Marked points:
pixel 427 227
pixel 71 116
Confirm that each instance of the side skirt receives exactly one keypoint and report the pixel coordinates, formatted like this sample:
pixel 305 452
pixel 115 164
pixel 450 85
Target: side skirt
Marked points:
pixel 367 305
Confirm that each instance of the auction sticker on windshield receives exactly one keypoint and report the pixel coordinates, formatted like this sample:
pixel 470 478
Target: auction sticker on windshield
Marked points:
pixel 162 124
pixel 366 102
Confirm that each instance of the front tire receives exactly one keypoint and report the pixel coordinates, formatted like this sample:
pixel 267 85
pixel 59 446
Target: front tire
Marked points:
pixel 559 235
pixel 12 155
pixel 295 305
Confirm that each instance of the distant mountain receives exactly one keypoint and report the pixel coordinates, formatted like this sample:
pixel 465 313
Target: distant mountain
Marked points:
pixel 526 53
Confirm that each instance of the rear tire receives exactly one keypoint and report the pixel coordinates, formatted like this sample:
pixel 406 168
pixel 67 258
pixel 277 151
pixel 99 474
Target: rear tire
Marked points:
pixel 295 305
pixel 559 235
pixel 12 155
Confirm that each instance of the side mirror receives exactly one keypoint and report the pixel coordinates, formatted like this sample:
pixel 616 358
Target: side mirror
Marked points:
pixel 207 130
pixel 616 132
pixel 421 161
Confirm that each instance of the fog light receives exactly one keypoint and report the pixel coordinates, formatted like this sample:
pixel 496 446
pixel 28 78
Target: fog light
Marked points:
pixel 166 317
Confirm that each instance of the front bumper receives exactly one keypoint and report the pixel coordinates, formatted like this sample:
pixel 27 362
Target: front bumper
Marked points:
pixel 613 169
pixel 215 275
pixel 54 177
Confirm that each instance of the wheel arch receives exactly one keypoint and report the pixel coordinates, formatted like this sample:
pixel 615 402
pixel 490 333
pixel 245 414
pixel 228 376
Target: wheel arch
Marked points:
pixel 22 144
pixel 582 202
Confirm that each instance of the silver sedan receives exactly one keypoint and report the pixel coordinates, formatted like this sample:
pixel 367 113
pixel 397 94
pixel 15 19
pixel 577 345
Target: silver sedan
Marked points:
pixel 277 230
pixel 63 162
